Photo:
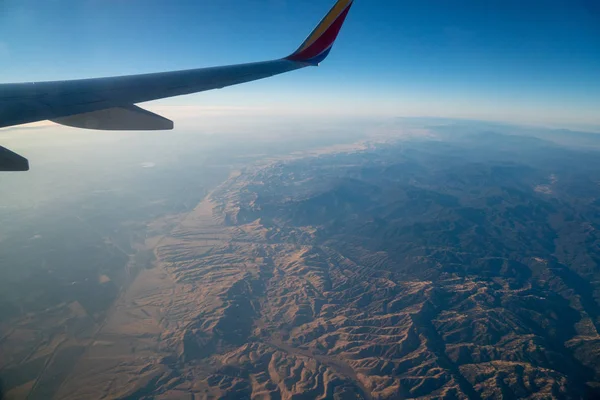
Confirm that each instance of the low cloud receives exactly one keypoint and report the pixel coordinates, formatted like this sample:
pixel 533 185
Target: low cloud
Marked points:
pixel 195 111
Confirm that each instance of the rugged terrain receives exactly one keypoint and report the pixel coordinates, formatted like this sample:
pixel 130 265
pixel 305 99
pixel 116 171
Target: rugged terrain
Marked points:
pixel 455 266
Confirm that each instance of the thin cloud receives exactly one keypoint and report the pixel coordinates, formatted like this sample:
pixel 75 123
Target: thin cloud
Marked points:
pixel 31 126
pixel 193 111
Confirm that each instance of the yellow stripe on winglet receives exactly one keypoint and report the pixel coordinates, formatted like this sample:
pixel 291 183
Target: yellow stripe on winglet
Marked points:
pixel 325 23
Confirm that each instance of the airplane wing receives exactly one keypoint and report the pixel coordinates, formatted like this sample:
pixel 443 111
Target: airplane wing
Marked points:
pixel 109 103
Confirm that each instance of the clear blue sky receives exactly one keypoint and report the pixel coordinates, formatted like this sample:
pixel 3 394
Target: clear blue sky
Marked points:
pixel 525 60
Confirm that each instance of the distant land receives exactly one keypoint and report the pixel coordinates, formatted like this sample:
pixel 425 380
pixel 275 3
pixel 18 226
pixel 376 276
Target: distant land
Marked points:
pixel 430 259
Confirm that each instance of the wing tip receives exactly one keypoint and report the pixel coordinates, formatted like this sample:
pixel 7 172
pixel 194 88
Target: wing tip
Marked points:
pixel 319 43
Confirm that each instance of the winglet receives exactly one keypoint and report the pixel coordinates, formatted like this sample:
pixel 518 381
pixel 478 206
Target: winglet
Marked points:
pixel 318 44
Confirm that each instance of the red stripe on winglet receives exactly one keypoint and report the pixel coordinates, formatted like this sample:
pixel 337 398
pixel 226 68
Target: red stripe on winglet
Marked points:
pixel 324 41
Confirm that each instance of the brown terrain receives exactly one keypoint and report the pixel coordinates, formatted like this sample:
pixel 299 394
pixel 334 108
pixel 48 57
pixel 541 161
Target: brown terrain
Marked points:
pixel 392 272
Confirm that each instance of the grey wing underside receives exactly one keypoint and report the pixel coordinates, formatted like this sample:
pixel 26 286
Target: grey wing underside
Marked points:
pixel 108 103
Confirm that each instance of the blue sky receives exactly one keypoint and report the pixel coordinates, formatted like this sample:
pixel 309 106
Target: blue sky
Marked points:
pixel 535 61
